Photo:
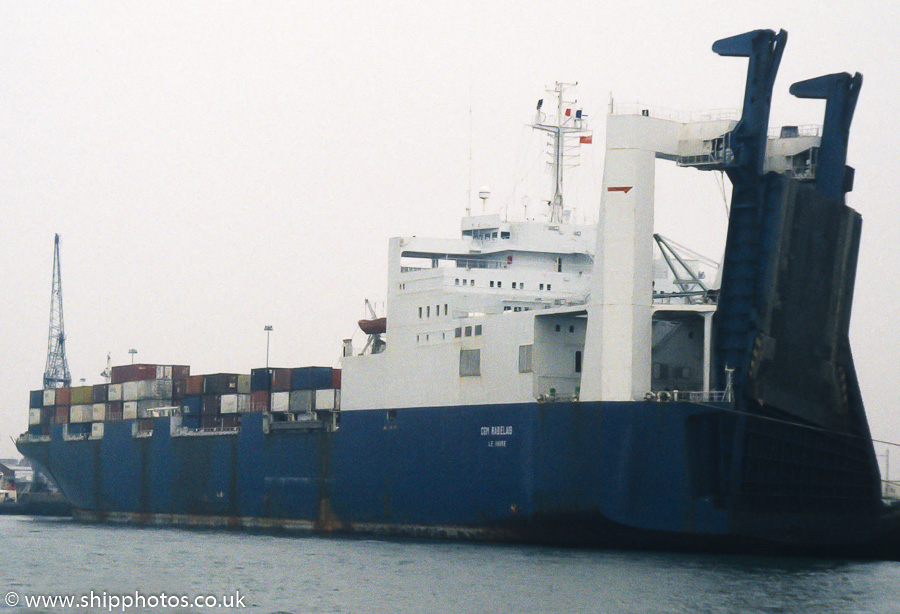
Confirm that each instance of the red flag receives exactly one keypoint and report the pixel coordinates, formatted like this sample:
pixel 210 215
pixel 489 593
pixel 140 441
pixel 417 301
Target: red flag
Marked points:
pixel 568 112
pixel 587 140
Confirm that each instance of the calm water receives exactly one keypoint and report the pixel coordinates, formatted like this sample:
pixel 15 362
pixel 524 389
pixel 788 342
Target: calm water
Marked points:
pixel 312 574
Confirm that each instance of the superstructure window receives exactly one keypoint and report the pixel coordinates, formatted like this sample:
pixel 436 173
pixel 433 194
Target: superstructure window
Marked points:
pixel 458 332
pixel 477 329
pixel 514 285
pixel 559 264
pixel 542 286
pixel 492 284
pixel 445 308
pixel 525 353
pixel 428 311
pixel 420 312
pixel 469 363
pixel 468 331
pixel 577 361
pixel 548 287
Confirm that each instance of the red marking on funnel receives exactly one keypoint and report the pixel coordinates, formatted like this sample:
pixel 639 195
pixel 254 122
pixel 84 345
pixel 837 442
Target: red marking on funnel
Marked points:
pixel 619 189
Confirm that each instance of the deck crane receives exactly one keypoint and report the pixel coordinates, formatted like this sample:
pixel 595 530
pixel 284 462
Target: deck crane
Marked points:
pixel 56 373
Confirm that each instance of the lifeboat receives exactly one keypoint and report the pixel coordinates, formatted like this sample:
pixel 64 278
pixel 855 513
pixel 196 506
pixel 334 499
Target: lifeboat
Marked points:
pixel 375 326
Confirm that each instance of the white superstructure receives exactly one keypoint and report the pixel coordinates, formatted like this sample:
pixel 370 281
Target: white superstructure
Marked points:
pixel 519 311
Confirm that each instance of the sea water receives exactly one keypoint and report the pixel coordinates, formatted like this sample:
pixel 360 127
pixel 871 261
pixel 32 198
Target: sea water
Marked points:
pixel 108 567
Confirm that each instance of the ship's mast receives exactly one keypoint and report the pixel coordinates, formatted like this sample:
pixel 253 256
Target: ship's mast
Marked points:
pixel 569 123
pixel 56 374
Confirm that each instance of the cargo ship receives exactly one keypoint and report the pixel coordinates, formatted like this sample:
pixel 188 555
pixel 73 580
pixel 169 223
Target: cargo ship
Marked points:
pixel 547 381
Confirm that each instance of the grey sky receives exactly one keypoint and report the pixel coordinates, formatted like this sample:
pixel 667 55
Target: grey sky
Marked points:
pixel 215 167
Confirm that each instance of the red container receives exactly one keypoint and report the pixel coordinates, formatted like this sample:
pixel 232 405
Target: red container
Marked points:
pixel 259 400
pixel 194 385
pixel 63 396
pixel 62 414
pixel 212 404
pixel 281 380
pixel 113 415
pixel 145 424
pixel 210 422
pixel 133 373
pixel 336 378
pixel 180 371
pixel 230 421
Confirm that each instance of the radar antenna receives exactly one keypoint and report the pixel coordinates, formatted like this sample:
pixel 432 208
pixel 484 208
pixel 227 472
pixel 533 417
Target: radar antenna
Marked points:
pixel 56 374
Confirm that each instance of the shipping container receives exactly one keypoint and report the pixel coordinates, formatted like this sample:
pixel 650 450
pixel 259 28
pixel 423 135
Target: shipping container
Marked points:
pixel 78 429
pixel 281 401
pixel 63 396
pixel 231 421
pixel 163 372
pixel 190 405
pixel 328 399
pixel 129 410
pixel 145 425
pixel 181 371
pixel 35 429
pixel 34 416
pixel 97 430
pixel 228 404
pixel 49 399
pixel 259 400
pixel 114 414
pixel 114 392
pixel 211 405
pixel 36 399
pixel 194 384
pixel 235 403
pixel 191 422
pixel 82 395
pixel 210 421
pixel 62 414
pixel 100 393
pixel 132 373
pixel 179 389
pixel 147 408
pixel 81 413
pixel 153 389
pixel 336 378
pixel 220 383
pixel 243 384
pixel 261 379
pixel 302 400
pixel 98 412
pixel 281 380
pixel 311 378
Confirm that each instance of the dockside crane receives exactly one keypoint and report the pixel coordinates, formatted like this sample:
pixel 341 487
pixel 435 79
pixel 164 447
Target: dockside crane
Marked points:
pixel 56 373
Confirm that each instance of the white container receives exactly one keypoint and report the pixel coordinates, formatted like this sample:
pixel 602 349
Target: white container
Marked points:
pixel 98 412
pixel 228 404
pixel 97 430
pixel 281 401
pixel 115 392
pixel 243 403
pixel 129 410
pixel 145 406
pixel 81 413
pixel 302 400
pixel 163 371
pixel 34 416
pixel 329 398
pixel 147 389
pixel 50 397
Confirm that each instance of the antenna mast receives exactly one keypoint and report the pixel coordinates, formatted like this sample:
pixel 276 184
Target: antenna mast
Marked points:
pixel 569 123
pixel 56 374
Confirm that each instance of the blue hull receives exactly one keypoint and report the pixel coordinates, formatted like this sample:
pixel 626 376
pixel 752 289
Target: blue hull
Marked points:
pixel 584 474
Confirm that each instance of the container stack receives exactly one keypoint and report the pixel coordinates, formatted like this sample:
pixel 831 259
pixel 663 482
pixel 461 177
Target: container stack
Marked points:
pixel 215 401
pixel 134 392
pixel 295 394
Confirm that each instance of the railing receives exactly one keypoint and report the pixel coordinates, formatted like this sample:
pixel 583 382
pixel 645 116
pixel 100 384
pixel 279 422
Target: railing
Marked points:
pixel 636 108
pixel 692 396
pixel 775 132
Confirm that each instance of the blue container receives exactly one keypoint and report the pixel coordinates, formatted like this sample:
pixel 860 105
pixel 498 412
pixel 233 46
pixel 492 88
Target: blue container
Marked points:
pixel 311 378
pixel 191 422
pixel 191 404
pixel 261 379
pixel 34 429
pixel 37 399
